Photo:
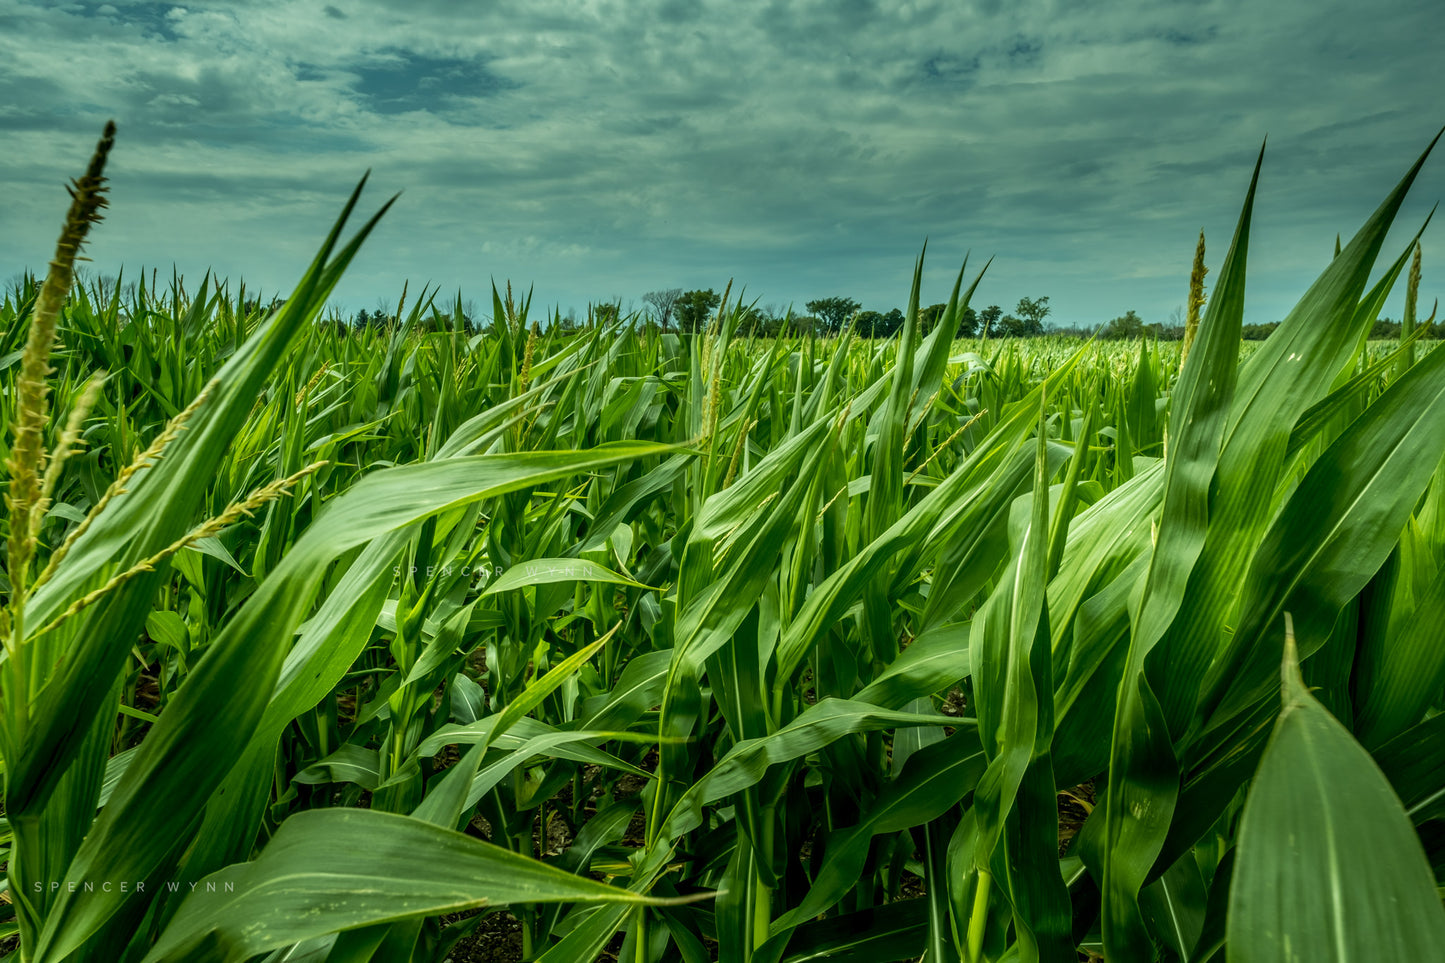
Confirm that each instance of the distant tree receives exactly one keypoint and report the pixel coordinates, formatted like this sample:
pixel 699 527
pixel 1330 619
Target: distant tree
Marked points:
pixel 752 322
pixel 663 302
pixel 374 321
pixel 105 287
pixel 457 312
pixel 384 316
pixel 892 321
pixel 1127 325
pixel 603 313
pixel 1258 332
pixel 567 322
pixel 1029 316
pixel 928 317
pixel 780 324
pixel 1173 329
pixel 756 322
pixel 802 324
pixel 1384 328
pixel 870 324
pixel 967 324
pixel 777 324
pixel 833 312
pixel 693 307
pixel 989 317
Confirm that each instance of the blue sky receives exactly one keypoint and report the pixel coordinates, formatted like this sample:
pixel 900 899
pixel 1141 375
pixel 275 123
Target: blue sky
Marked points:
pixel 600 150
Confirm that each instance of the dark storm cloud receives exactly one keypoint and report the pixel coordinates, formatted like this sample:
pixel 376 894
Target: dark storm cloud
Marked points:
pixel 400 81
pixel 806 147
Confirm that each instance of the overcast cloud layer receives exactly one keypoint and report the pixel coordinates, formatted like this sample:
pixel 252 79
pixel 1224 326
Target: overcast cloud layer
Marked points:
pixel 806 148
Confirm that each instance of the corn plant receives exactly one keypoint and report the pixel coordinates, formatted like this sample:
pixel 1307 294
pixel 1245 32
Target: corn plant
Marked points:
pixel 68 638
pixel 399 641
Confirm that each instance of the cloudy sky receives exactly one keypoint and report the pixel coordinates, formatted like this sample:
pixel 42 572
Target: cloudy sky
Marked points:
pixel 599 150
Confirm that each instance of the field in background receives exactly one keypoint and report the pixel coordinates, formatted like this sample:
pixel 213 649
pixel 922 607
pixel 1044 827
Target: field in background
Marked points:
pixel 616 644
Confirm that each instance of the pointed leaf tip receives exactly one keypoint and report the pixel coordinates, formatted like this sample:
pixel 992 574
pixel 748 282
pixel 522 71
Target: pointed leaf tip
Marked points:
pixel 1291 680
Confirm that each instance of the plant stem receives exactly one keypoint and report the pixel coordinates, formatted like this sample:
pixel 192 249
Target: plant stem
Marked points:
pixel 978 920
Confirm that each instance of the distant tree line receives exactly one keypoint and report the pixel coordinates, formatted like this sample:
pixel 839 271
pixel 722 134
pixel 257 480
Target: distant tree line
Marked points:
pixel 692 311
pixel 1130 325
pixel 674 309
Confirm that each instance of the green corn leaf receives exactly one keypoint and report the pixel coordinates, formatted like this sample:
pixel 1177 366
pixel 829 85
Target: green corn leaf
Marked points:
pixel 329 870
pixel 176 769
pixel 1274 389
pixel 933 780
pixel 935 660
pixel 1414 762
pixel 1335 532
pixel 546 571
pixel 882 935
pixel 1411 671
pixel 1329 867
pixel 1143 775
pixel 747 761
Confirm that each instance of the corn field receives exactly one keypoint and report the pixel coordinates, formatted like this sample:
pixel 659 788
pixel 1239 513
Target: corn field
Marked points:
pixel 416 644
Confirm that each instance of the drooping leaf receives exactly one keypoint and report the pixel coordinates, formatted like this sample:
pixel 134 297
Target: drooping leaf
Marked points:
pixel 334 869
